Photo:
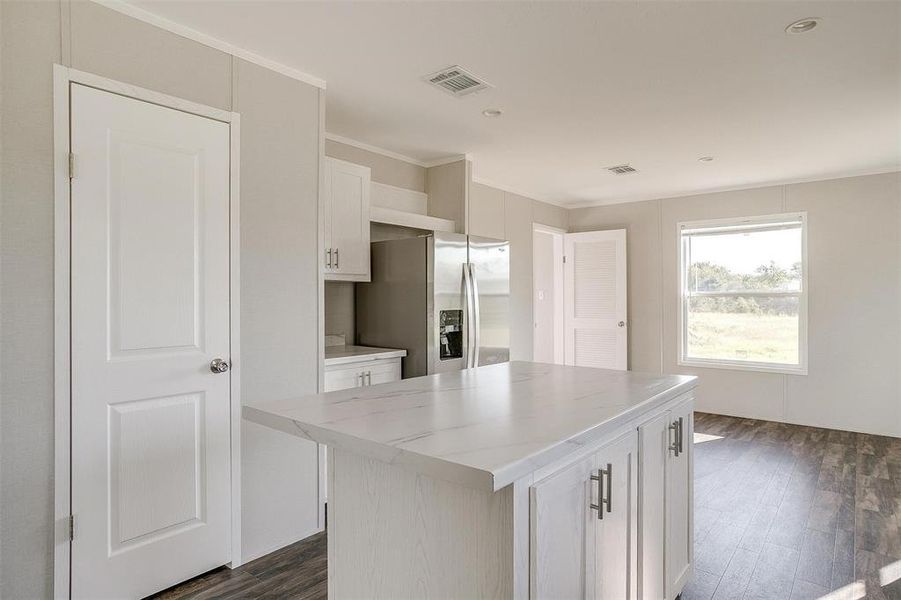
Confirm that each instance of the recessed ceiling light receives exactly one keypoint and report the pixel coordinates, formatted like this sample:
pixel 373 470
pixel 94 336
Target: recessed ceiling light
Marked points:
pixel 492 112
pixel 803 25
pixel 706 159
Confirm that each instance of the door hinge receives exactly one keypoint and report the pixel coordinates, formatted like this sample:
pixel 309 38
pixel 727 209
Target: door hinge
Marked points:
pixel 71 165
pixel 71 527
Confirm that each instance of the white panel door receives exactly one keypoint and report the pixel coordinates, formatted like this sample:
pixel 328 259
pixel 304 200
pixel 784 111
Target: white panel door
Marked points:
pixel 347 219
pixel 150 311
pixel 595 299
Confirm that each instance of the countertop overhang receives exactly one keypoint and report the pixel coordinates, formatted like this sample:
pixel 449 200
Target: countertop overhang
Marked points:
pixel 483 428
pixel 339 355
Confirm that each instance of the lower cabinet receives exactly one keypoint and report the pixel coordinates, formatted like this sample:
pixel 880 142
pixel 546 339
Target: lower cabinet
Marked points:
pixel 665 503
pixel 617 524
pixel 363 373
pixel 584 526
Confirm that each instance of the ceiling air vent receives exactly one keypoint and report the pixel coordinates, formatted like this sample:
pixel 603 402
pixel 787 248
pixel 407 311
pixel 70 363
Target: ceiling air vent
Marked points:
pixel 456 81
pixel 622 170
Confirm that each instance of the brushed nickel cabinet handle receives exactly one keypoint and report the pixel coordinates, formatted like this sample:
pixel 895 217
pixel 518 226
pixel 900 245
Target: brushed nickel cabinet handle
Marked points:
pixel 681 437
pixel 676 446
pixel 328 258
pixel 608 500
pixel 336 258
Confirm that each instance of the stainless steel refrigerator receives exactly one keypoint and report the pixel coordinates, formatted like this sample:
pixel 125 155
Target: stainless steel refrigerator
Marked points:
pixel 444 298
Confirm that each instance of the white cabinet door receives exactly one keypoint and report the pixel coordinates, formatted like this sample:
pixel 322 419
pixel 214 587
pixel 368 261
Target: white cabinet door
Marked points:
pixel 346 221
pixel 385 371
pixel 617 521
pixel 584 527
pixel 679 526
pixel 594 281
pixel 342 379
pixel 653 441
pixel 563 529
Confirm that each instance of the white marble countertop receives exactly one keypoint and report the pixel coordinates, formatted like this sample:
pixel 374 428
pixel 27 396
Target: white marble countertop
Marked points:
pixel 338 355
pixel 483 427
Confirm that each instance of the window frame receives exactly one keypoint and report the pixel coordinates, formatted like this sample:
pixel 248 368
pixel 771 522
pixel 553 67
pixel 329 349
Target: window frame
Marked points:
pixel 682 267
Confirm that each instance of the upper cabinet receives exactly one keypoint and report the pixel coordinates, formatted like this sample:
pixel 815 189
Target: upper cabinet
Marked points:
pixel 346 199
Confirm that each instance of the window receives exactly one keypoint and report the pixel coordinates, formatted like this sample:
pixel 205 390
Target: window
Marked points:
pixel 743 300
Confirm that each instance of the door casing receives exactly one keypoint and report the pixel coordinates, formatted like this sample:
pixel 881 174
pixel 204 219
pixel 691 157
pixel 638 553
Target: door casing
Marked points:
pixel 63 78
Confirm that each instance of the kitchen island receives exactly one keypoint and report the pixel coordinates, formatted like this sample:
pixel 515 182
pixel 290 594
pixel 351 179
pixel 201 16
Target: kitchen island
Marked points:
pixel 512 480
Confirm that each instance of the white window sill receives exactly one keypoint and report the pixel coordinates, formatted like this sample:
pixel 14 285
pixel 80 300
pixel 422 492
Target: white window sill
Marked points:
pixel 742 366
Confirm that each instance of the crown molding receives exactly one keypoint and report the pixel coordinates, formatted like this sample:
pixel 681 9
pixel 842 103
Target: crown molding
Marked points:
pixel 722 189
pixel 207 40
pixel 447 160
pixel 376 149
pixel 396 155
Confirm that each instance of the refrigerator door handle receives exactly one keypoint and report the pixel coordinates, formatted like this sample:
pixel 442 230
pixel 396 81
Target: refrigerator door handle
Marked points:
pixel 470 336
pixel 477 320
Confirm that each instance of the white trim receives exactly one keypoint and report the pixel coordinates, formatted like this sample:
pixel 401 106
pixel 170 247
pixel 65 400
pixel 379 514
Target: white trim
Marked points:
pixel 63 77
pixel 333 137
pixel 559 316
pixel 322 452
pixel 741 365
pixel 207 40
pixel 62 506
pixel 402 218
pixel 727 188
pixel 547 228
pixel 234 277
pixel 446 160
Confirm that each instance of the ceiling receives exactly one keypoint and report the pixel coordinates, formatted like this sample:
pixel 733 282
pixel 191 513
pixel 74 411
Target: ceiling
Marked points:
pixel 586 85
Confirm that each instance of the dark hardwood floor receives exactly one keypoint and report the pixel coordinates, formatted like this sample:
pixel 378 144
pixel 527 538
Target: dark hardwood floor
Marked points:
pixel 296 571
pixel 790 512
pixel 781 512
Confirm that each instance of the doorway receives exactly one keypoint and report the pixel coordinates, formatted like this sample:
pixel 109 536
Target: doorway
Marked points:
pixel 547 294
pixel 146 400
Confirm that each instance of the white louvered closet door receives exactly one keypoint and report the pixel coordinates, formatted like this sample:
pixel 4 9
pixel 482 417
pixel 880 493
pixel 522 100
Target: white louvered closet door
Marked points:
pixel 595 299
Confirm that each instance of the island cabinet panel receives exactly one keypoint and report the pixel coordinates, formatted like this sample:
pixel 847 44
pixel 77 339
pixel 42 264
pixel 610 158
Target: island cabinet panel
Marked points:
pixel 664 503
pixel 395 533
pixel 584 526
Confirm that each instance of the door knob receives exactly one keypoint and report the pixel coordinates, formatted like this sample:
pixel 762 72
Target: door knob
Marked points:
pixel 218 366
pixel 621 324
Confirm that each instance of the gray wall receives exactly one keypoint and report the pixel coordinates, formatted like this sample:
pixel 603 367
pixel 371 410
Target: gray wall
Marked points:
pixel 340 310
pixel 854 321
pixel 279 177
pixel 504 215
pixel 385 169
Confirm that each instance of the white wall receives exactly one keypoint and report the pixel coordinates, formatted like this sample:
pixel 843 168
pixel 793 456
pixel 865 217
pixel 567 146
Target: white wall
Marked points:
pixel 504 215
pixel 854 276
pixel 279 177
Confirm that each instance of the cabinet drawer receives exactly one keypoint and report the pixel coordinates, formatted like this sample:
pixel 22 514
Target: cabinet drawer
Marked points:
pixel 370 372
